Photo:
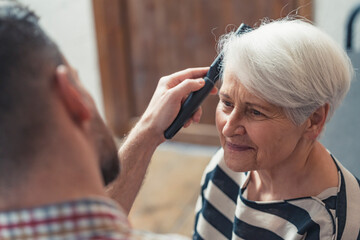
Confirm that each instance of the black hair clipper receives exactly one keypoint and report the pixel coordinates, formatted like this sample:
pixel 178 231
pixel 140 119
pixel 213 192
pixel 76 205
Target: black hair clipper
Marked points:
pixel 194 100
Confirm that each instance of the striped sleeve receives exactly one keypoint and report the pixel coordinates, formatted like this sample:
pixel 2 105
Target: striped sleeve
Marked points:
pixel 348 206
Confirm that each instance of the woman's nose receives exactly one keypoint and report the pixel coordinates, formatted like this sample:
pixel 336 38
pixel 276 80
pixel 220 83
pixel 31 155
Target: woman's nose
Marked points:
pixel 233 125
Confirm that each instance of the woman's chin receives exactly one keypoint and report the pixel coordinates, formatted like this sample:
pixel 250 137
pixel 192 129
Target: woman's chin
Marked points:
pixel 237 165
pixel 239 161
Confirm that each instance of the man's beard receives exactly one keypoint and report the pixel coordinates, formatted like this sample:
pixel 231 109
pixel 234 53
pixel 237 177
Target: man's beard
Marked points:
pixel 106 149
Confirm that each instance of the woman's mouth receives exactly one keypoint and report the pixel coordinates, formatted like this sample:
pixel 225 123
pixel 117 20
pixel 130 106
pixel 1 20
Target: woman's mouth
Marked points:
pixel 237 147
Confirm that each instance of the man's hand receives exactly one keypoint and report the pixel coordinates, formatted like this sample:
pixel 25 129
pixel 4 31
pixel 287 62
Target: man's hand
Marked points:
pixel 170 93
pixel 139 146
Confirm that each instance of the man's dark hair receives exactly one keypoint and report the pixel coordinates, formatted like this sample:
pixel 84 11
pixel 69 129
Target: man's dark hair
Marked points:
pixel 28 59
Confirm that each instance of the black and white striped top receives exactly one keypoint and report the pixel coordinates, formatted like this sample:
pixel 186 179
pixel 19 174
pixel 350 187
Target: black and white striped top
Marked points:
pixel 223 212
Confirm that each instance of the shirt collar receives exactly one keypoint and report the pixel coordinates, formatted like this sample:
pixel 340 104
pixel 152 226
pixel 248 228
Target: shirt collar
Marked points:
pixel 77 219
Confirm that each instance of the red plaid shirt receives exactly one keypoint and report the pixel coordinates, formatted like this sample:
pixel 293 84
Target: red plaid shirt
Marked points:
pixel 93 218
pixel 89 218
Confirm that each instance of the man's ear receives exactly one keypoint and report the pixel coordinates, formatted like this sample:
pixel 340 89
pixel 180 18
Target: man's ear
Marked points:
pixel 71 96
pixel 316 121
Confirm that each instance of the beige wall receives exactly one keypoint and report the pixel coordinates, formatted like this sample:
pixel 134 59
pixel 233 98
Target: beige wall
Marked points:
pixel 70 24
pixel 332 16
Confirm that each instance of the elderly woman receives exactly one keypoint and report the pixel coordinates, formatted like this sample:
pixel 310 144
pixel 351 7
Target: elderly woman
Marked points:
pixel 272 179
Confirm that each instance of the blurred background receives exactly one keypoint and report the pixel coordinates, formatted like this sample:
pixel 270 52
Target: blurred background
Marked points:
pixel 122 47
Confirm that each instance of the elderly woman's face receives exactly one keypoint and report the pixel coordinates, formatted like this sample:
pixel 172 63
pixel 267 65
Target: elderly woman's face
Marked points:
pixel 254 133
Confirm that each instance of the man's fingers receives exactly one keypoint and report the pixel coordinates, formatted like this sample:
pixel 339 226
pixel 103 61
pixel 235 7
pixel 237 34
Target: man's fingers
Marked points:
pixel 197 115
pixel 214 91
pixel 188 123
pixel 194 118
pixel 190 73
pixel 187 86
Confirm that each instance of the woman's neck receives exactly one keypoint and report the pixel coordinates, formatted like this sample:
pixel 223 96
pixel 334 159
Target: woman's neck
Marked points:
pixel 308 174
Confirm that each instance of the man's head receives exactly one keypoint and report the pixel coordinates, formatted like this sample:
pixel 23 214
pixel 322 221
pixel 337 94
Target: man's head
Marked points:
pixel 29 79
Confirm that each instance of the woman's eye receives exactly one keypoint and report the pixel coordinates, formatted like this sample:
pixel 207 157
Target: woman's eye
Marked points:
pixel 227 103
pixel 256 113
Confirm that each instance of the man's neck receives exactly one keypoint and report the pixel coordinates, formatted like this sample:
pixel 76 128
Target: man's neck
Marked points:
pixel 66 168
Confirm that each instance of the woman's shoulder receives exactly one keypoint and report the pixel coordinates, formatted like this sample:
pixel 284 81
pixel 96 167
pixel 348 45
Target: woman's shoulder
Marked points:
pixel 347 204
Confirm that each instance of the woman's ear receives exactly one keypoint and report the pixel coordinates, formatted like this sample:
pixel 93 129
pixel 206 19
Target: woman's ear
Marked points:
pixel 316 121
pixel 71 97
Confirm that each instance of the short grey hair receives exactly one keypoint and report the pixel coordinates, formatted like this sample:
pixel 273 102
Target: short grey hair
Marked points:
pixel 289 63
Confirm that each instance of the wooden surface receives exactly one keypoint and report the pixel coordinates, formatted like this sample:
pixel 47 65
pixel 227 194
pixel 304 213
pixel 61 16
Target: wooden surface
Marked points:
pixel 196 133
pixel 111 23
pixel 167 199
